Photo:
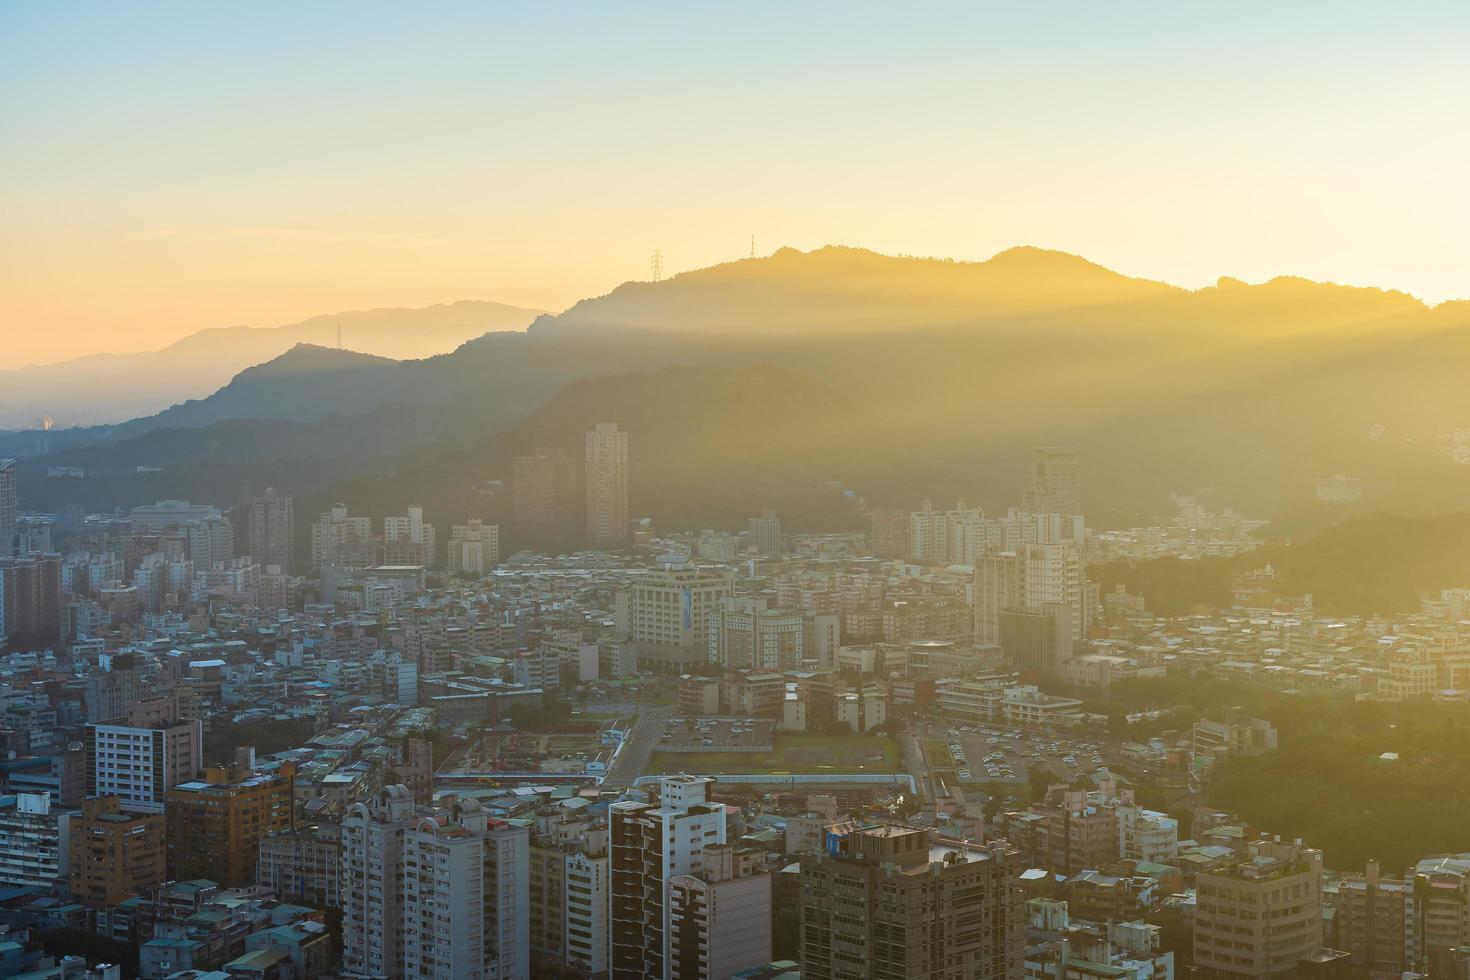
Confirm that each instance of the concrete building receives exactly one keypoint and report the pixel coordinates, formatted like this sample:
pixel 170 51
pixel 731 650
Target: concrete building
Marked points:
pixel 1056 481
pixel 997 589
pixel 35 847
pixel 272 530
pixel 164 513
pixel 7 507
pixel 409 540
pixel 372 883
pixel 546 498
pixel 745 633
pixel 765 534
pixel 30 601
pixel 891 901
pixel 720 917
pixel 664 616
pixel 215 825
pixel 861 711
pixel 466 910
pixel 1038 639
pixel 474 548
pixel 303 865
pixel 140 765
pixel 1441 913
pixel 1146 835
pixel 1374 922
pixel 1260 916
pixel 115 855
pixel 342 541
pixel 650 845
pixel 606 477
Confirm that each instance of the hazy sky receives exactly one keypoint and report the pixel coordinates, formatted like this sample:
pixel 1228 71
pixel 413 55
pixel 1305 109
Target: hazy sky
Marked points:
pixel 172 166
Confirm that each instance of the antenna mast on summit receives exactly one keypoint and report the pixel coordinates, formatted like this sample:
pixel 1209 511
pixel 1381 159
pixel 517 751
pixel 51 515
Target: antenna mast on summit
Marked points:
pixel 752 246
pixel 658 265
pixel 339 336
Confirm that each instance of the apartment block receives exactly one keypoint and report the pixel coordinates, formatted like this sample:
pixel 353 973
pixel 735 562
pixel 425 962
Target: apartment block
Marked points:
pixel 893 901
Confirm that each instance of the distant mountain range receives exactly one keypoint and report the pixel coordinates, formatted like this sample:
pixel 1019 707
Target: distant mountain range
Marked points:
pixel 109 388
pixel 760 382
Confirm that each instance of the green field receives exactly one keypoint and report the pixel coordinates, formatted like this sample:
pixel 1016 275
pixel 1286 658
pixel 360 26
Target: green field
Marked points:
pixel 792 754
pixel 938 754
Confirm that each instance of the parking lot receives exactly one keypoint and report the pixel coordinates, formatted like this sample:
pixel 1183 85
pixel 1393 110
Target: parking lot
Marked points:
pixel 718 735
pixel 989 753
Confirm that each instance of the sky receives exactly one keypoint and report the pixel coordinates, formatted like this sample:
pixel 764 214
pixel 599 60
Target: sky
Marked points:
pixel 169 167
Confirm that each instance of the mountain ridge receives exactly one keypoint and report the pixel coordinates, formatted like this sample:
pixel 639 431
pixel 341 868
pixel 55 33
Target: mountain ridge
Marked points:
pixel 109 388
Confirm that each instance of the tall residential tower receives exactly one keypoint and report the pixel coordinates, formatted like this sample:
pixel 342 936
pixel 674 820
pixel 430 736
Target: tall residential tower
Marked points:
pixel 606 476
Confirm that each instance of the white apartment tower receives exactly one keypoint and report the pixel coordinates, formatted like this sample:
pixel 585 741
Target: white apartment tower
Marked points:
pixel 466 911
pixel 410 529
pixel 474 548
pixel 140 765
pixel 665 615
pixel 372 883
pixel 606 479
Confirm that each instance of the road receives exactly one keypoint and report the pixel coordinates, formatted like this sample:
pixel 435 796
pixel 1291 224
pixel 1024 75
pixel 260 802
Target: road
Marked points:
pixel 916 765
pixel 638 749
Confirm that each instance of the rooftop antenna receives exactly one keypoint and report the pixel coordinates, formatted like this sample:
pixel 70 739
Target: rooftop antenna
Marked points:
pixel 658 265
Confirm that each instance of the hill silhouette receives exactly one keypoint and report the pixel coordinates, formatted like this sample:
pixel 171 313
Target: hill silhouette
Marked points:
pixel 109 388
pixel 948 372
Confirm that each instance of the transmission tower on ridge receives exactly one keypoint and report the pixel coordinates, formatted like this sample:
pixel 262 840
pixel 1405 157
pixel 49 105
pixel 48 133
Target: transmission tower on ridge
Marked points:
pixel 658 265
pixel 339 336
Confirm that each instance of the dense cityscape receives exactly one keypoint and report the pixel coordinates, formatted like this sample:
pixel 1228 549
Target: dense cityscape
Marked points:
pixel 247 742
pixel 778 490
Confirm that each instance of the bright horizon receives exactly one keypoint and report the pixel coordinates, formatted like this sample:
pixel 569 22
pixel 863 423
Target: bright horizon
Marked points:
pixel 174 168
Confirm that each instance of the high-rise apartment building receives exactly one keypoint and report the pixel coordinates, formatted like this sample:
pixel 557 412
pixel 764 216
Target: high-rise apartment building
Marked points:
pixel 140 765
pixel 1374 922
pixel 889 533
pixel 720 916
pixel 745 633
pixel 7 507
pixel 343 541
pixel 1037 639
pixel 303 865
pixel 890 901
pixel 466 909
pixel 1261 916
pixel 33 841
pixel 665 616
pixel 932 533
pixel 650 844
pixel 114 854
pixel 215 824
pixel 30 600
pixel 606 476
pixel 765 534
pixel 474 548
pixel 1042 575
pixel 1056 481
pixel 997 589
pixel 569 892
pixel 546 496
pixel 210 540
pixel 1441 914
pixel 373 835
pixel 408 540
pixel 272 530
